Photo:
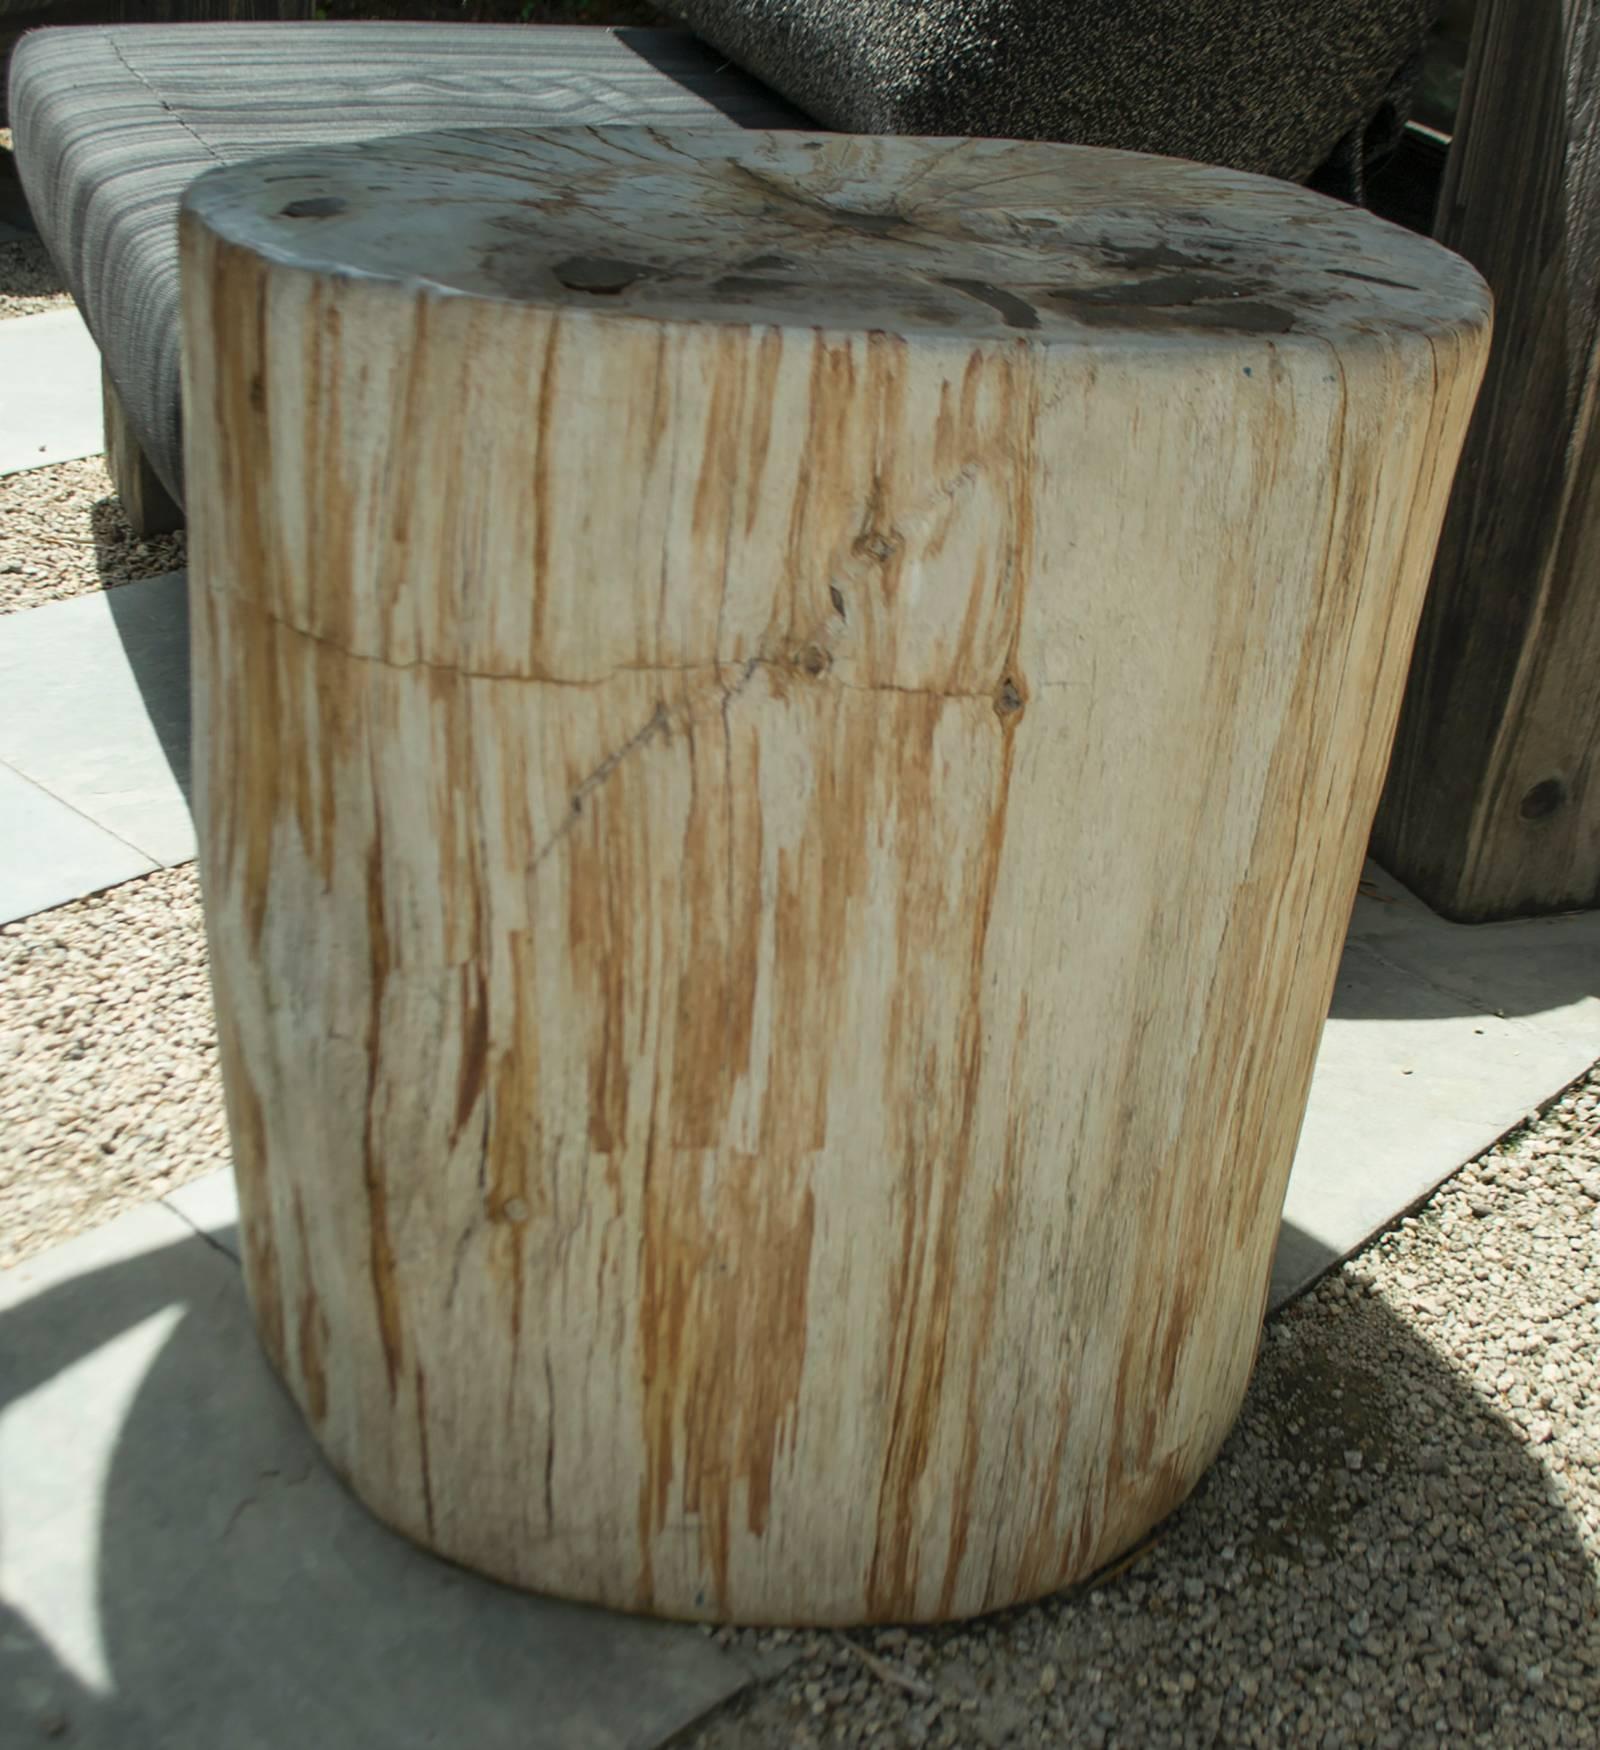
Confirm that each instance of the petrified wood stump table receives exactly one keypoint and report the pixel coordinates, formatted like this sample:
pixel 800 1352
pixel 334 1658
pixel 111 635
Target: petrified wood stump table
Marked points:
pixel 786 731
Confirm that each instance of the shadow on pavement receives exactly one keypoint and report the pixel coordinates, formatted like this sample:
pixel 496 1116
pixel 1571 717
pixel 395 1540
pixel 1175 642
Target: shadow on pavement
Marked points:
pixel 1403 962
pixel 151 618
pixel 182 1572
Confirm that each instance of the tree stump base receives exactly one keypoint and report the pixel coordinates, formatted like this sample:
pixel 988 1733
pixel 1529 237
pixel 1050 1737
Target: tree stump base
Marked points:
pixel 786 728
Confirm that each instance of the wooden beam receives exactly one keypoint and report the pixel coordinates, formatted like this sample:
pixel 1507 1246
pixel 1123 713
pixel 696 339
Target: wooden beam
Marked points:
pixel 1492 807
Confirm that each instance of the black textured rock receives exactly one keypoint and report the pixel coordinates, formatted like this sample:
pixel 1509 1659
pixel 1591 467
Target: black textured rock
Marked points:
pixel 1266 85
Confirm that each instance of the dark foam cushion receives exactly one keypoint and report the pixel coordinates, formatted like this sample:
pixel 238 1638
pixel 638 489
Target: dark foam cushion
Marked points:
pixel 110 127
pixel 1264 85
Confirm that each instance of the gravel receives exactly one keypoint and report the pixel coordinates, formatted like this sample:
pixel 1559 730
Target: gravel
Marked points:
pixel 109 1090
pixel 1400 1544
pixel 29 282
pixel 62 533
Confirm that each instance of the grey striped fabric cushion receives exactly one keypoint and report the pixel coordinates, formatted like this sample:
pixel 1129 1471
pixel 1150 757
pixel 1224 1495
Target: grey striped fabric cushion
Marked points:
pixel 110 126
pixel 17 16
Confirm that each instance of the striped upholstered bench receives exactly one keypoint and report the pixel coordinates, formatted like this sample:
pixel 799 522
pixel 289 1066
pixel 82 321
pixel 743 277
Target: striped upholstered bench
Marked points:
pixel 112 125
pixel 18 17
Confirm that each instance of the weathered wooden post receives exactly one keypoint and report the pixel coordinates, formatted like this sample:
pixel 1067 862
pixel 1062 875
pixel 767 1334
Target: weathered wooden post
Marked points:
pixel 786 728
pixel 1492 807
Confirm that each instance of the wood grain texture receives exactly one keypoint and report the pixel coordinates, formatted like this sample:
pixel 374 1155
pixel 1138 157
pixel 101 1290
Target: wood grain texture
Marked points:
pixel 1492 808
pixel 146 503
pixel 785 731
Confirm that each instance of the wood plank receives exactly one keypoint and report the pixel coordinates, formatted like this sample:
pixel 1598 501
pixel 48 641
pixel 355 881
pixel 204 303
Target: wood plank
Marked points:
pixel 1492 807
pixel 146 503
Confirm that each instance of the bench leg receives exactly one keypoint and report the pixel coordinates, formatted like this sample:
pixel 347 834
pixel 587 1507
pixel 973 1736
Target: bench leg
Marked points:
pixel 146 503
pixel 1492 808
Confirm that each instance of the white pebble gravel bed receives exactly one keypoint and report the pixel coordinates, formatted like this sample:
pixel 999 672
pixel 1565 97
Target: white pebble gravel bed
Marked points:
pixel 62 533
pixel 1399 1545
pixel 109 1090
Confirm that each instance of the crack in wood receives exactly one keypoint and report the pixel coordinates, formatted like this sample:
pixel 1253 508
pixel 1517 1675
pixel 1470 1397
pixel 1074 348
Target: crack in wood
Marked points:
pixel 659 720
pixel 795 662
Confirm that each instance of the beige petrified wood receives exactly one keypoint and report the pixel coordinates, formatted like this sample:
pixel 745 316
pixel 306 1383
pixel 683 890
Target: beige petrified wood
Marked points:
pixel 785 733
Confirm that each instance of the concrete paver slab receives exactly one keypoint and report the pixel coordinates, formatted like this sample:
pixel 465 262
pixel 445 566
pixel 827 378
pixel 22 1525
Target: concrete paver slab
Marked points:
pixel 50 853
pixel 94 708
pixel 1442 1037
pixel 1545 970
pixel 180 1571
pixel 49 391
pixel 209 1205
